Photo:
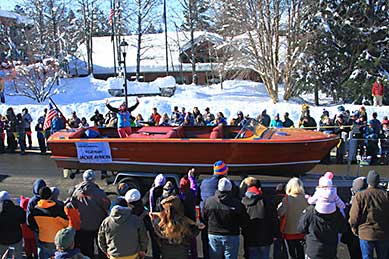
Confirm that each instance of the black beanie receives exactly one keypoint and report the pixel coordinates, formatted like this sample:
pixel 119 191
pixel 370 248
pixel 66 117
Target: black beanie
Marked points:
pixel 373 178
pixel 45 193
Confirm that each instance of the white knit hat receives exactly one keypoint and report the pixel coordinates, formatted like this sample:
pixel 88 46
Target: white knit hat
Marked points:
pixel 132 195
pixel 4 195
pixel 89 175
pixel 224 185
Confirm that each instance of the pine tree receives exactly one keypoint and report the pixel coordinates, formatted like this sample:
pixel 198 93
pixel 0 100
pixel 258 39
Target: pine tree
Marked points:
pixel 349 50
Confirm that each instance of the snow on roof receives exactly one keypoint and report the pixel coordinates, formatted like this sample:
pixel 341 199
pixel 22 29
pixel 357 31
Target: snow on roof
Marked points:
pixel 153 59
pixel 20 19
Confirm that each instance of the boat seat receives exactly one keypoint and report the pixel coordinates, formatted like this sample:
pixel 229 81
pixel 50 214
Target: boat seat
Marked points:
pixel 217 132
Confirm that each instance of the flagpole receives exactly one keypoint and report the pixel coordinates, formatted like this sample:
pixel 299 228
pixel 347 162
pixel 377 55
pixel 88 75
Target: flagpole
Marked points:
pixel 56 107
pixel 112 20
pixel 166 43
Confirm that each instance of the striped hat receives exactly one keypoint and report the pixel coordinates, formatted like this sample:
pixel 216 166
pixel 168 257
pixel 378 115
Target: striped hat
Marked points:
pixel 220 168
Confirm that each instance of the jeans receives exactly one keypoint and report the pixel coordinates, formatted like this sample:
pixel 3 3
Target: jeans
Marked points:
pixel 259 252
pixel 223 245
pixel 279 249
pixel 45 250
pixel 381 247
pixel 17 252
pixel 295 249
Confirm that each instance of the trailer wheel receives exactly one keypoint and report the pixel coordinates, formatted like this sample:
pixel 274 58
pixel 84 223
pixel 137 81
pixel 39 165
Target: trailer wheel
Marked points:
pixel 131 182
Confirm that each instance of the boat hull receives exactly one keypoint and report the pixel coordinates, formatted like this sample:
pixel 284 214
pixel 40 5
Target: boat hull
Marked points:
pixel 272 157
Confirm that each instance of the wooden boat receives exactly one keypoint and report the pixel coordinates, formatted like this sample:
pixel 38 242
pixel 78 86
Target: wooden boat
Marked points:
pixel 251 149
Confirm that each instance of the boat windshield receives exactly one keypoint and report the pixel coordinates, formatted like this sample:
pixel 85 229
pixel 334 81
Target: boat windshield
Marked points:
pixel 253 126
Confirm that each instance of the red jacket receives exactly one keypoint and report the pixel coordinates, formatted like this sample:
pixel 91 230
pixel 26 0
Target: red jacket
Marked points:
pixel 378 89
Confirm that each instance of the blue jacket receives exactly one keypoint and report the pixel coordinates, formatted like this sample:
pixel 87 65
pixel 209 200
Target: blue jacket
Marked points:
pixel 56 125
pixel 124 118
pixel 38 184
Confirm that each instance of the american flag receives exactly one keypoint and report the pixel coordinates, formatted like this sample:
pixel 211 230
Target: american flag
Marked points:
pixel 50 115
pixel 111 15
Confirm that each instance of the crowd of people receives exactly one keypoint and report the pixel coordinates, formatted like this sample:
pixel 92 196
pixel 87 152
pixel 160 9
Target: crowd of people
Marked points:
pixel 170 216
pixel 357 131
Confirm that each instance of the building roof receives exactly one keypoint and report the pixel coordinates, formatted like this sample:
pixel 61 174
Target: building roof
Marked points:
pixel 153 59
pixel 19 19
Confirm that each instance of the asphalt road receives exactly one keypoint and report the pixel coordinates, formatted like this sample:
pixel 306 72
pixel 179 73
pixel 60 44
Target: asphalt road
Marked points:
pixel 18 172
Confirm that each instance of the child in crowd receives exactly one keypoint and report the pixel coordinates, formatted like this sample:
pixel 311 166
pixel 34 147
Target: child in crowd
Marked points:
pixel 30 246
pixel 325 196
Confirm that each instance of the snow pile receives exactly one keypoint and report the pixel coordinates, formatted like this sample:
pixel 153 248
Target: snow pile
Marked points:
pixel 141 88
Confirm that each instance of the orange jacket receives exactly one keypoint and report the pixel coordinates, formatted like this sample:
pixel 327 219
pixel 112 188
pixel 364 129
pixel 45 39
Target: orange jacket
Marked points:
pixel 49 218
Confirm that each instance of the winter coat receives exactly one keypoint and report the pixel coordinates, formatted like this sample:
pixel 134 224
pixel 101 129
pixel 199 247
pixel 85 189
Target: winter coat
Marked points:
pixel 288 123
pixel 122 233
pixel 27 119
pixel 10 122
pixel 97 118
pixel 48 217
pixel 321 232
pixel 276 124
pixel 27 232
pixel 369 214
pixel 11 217
pixel 37 185
pixel 189 199
pixel 56 125
pixel 326 199
pixel 124 118
pixel 262 225
pixel 208 188
pixel 70 254
pixel 291 207
pixel 377 89
pixel 264 120
pixel 224 214
pixel 92 203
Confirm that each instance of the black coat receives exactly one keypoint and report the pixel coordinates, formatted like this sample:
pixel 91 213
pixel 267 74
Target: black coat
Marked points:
pixel 11 216
pixel 224 214
pixel 262 225
pixel 321 232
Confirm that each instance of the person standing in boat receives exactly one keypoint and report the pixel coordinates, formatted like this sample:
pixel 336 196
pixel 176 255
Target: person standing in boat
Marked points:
pixel 124 117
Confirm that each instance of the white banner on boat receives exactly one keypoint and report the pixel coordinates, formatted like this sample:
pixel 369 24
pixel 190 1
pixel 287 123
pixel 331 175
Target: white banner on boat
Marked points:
pixel 94 152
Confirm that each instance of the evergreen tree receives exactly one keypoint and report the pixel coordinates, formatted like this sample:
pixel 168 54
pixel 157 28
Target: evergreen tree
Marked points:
pixel 349 49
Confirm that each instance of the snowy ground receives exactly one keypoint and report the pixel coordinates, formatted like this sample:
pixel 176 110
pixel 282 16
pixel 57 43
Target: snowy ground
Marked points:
pixel 85 95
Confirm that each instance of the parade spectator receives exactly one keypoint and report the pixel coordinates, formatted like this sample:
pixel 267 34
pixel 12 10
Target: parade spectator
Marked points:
pixel 261 214
pixel 40 134
pixel 122 234
pixel 175 112
pixel 321 226
pixel 377 92
pixel 175 231
pixel 199 121
pixel 188 194
pixel 264 119
pixel 155 193
pixel 279 247
pixel 342 130
pixel 57 123
pixel 27 119
pixel 224 215
pixel 97 118
pixel 2 135
pixel 276 122
pixel 37 185
pixel 65 245
pixel 376 124
pixel 165 121
pixel 29 241
pixel 325 196
pixel 371 142
pixel 208 116
pixel 74 121
pixel 289 211
pixel 124 117
pixel 155 117
pixel 48 218
pixel 11 217
pixel 368 218
pixel 10 128
pixel 85 124
pixel 352 241
pixel 93 205
pixel 21 133
pixel 287 123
